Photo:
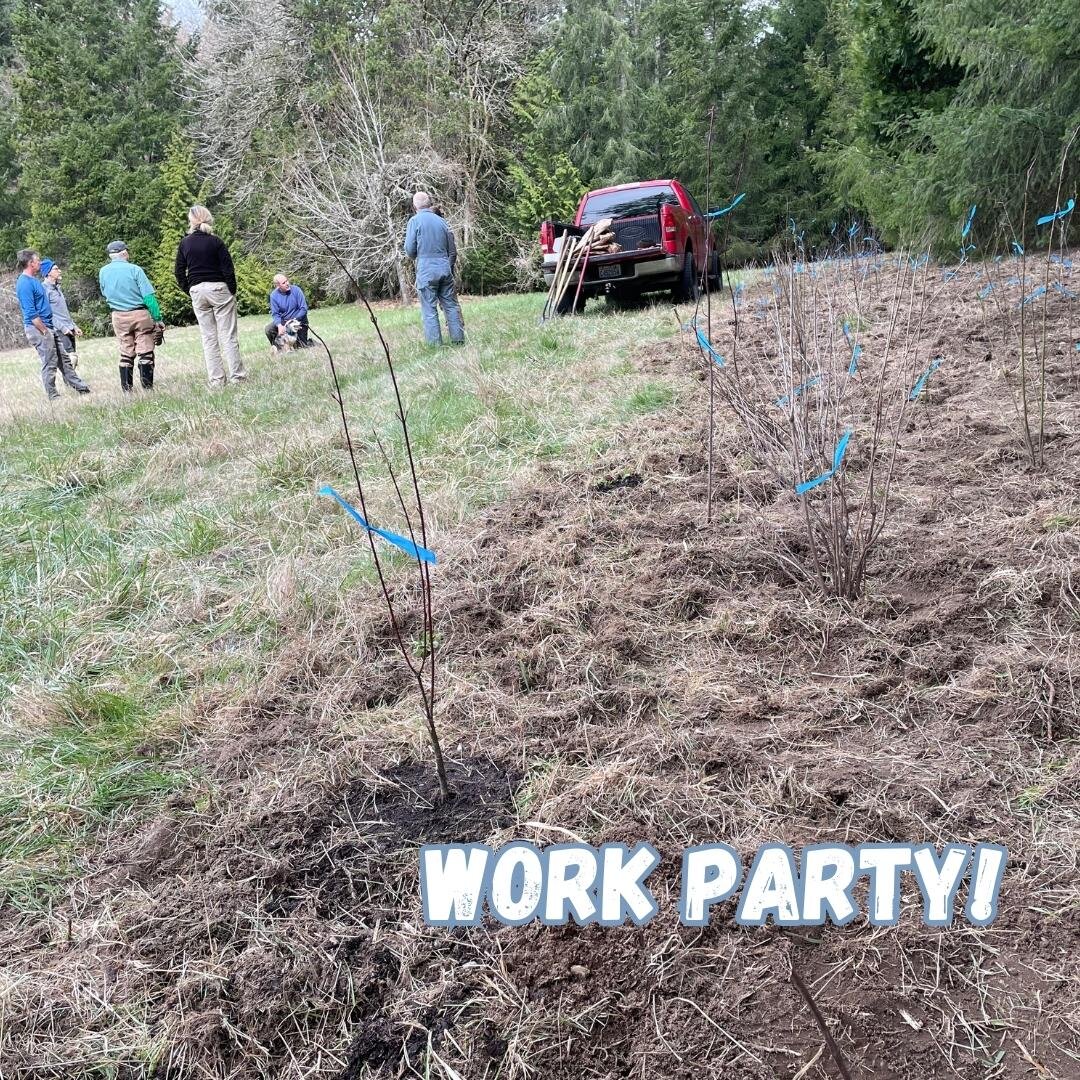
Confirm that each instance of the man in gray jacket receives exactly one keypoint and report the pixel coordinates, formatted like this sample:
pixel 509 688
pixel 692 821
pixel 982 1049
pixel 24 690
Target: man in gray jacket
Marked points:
pixel 63 323
pixel 430 242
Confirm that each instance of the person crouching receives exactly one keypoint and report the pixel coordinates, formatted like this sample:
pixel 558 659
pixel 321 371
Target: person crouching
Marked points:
pixel 287 305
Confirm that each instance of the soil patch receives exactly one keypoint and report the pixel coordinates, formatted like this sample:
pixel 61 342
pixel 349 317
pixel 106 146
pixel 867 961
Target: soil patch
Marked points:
pixel 615 669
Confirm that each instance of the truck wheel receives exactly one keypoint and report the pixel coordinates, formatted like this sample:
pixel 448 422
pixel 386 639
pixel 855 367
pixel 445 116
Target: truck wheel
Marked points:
pixel 623 300
pixel 566 305
pixel 686 291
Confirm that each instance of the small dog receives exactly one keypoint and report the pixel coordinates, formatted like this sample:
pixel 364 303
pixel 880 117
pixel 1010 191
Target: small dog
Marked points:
pixel 290 340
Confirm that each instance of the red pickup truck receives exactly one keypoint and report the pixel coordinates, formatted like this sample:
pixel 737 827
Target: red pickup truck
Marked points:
pixel 664 239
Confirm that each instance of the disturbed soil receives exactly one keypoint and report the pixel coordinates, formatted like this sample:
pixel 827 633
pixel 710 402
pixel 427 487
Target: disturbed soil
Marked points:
pixel 613 668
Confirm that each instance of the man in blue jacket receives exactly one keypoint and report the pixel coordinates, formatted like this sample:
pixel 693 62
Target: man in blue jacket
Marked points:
pixel 430 242
pixel 287 302
pixel 38 326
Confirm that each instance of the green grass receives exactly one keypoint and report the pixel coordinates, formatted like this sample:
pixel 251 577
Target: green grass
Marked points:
pixel 138 536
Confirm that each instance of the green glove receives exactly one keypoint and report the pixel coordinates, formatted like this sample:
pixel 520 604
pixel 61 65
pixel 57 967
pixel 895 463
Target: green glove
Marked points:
pixel 152 306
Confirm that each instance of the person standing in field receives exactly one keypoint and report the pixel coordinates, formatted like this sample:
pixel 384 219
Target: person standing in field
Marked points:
pixel 204 270
pixel 63 323
pixel 38 326
pixel 136 317
pixel 430 242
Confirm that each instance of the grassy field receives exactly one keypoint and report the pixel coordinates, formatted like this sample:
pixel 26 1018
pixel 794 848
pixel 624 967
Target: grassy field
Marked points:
pixel 155 550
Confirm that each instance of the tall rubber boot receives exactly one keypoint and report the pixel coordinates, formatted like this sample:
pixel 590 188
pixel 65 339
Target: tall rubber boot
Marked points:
pixel 127 373
pixel 146 371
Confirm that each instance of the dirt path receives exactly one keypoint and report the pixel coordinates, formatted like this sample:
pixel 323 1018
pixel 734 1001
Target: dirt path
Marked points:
pixel 615 670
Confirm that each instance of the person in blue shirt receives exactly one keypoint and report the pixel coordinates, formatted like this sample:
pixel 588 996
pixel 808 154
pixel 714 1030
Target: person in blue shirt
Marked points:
pixel 38 326
pixel 430 242
pixel 136 317
pixel 287 302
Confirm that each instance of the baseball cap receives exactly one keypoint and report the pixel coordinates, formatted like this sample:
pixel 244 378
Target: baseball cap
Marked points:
pixel 115 246
pixel 46 266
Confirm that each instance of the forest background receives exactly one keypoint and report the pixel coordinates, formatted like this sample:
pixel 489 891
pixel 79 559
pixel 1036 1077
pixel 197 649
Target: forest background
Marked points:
pixel 307 125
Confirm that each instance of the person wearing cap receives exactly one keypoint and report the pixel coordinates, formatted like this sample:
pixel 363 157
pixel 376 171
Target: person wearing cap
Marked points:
pixel 63 323
pixel 204 270
pixel 136 317
pixel 39 329
pixel 430 242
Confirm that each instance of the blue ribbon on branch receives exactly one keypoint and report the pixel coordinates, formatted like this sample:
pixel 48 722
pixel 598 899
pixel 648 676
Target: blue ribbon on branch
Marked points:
pixel 853 230
pixel 1033 295
pixel 706 344
pixel 782 401
pixel 828 474
pixel 727 209
pixel 1066 209
pixel 918 388
pixel 948 275
pixel 1064 292
pixel 856 351
pixel 1018 247
pixel 919 262
pixel 400 542
pixel 967 226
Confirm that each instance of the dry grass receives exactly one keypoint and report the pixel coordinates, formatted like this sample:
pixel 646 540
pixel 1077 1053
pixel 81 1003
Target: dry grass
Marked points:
pixel 615 671
pixel 156 550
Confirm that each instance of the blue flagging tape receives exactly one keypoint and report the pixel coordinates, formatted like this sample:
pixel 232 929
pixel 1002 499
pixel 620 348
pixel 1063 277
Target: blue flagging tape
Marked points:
pixel 1067 263
pixel 1064 292
pixel 1018 247
pixel 704 342
pixel 918 388
pixel 828 474
pixel 854 229
pixel 1078 346
pixel 967 226
pixel 399 542
pixel 853 367
pixel 1013 281
pixel 1033 295
pixel 948 275
pixel 919 262
pixel 727 209
pixel 1066 209
pixel 986 290
pixel 813 381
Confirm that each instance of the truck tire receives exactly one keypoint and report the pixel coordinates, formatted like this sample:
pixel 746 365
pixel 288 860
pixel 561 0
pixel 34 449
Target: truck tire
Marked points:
pixel 566 305
pixel 686 291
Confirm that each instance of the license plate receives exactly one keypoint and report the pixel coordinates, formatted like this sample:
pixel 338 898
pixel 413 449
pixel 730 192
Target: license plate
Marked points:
pixel 610 271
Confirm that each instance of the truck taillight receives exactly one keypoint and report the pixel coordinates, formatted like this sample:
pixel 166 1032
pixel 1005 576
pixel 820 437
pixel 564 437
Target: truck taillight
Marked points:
pixel 668 230
pixel 547 238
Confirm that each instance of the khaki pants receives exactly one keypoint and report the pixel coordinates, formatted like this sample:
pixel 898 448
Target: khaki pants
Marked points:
pixel 215 308
pixel 134 331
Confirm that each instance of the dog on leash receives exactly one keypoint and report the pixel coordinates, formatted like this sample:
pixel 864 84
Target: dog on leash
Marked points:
pixel 290 340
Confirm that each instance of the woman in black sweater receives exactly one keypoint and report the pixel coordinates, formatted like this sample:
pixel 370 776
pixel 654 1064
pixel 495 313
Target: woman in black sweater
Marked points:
pixel 204 270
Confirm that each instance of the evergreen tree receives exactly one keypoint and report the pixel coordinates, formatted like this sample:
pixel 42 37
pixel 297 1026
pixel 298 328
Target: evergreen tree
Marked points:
pixel 95 109
pixel 543 180
pixel 179 181
pixel 12 209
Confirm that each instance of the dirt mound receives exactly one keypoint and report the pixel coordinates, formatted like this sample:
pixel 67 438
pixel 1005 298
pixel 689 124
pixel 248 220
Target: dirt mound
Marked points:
pixel 615 670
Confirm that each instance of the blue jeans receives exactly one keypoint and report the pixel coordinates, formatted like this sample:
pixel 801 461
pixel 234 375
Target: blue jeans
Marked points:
pixel 436 292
